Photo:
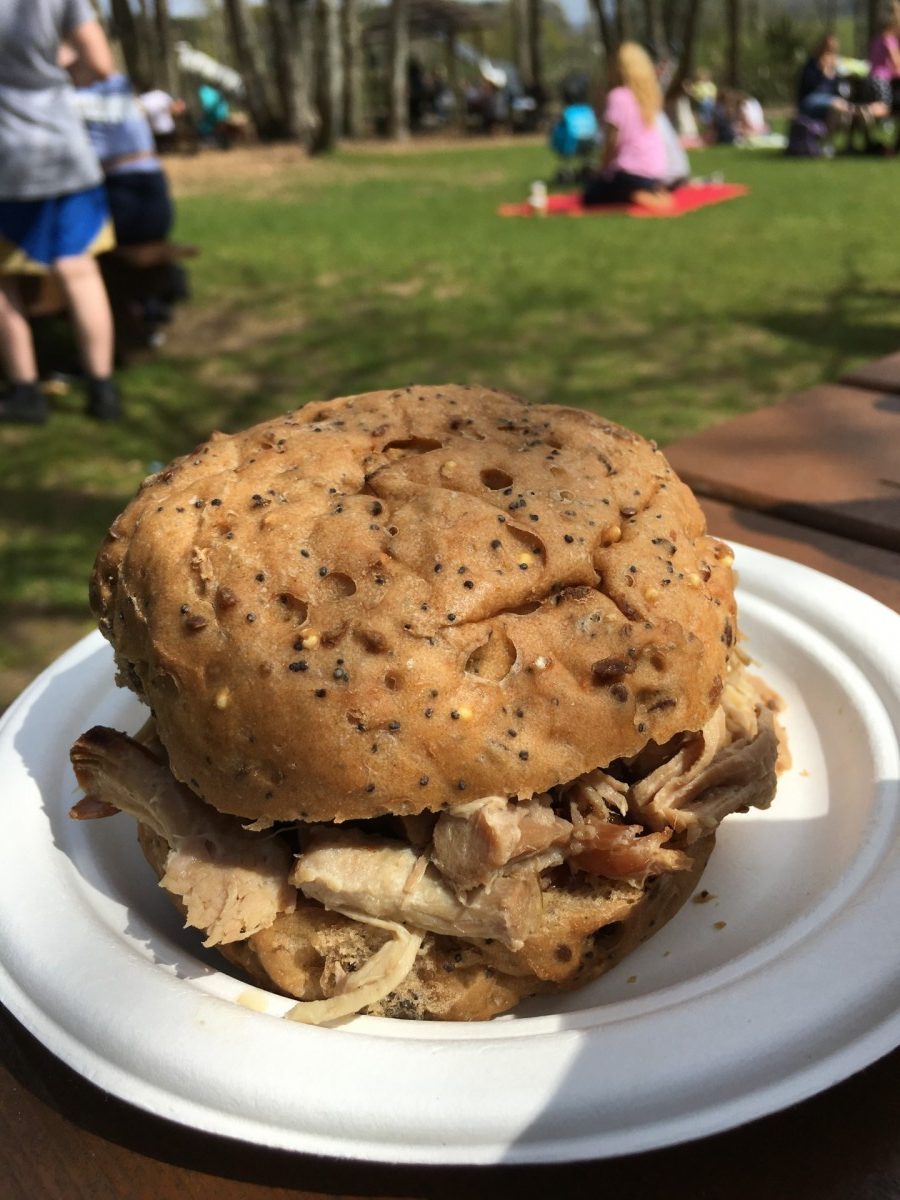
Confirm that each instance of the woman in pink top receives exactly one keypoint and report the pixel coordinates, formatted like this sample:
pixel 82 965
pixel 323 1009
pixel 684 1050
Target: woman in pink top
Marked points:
pixel 884 62
pixel 634 154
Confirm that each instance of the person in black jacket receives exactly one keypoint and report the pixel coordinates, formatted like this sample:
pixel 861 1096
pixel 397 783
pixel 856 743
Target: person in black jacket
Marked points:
pixel 818 89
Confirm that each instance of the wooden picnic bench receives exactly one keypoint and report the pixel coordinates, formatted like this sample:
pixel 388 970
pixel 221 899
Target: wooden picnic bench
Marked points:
pixel 882 375
pixel 828 458
pixel 130 273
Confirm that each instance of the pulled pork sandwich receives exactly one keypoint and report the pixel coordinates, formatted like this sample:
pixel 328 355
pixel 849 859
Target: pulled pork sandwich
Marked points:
pixel 446 698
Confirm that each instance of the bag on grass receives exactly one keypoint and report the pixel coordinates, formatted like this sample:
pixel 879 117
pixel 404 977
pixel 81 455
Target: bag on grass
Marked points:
pixel 806 137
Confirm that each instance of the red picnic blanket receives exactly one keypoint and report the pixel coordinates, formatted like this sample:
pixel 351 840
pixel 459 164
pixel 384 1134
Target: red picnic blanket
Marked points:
pixel 685 199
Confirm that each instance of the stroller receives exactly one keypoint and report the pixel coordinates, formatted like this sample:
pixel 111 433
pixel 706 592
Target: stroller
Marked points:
pixel 575 135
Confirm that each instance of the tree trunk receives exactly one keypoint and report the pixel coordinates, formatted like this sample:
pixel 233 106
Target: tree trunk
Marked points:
pixel 607 31
pixel 670 20
pixel 685 67
pixel 242 35
pixel 451 63
pixel 520 41
pixel 284 54
pixel 329 85
pixel 351 36
pixel 654 34
pixel 623 22
pixel 536 45
pixel 873 20
pixel 148 46
pixel 398 83
pixel 733 44
pixel 126 30
pixel 165 51
pixel 304 13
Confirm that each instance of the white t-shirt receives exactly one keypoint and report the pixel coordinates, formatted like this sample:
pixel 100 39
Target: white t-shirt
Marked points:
pixel 158 107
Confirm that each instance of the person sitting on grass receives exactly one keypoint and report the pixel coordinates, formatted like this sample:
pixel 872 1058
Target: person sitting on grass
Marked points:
pixel 818 90
pixel 884 61
pixel 634 154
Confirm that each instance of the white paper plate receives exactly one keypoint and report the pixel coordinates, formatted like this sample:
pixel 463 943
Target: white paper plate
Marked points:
pixel 707 1026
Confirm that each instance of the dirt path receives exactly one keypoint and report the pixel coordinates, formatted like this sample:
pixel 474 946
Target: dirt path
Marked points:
pixel 267 167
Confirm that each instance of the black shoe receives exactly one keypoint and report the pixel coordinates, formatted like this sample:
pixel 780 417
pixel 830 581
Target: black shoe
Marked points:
pixel 24 403
pixel 104 401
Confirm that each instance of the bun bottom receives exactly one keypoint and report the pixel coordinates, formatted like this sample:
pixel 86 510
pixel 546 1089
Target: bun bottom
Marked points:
pixel 589 926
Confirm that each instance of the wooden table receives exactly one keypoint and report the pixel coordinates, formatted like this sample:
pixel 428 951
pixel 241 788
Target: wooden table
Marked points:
pixel 882 375
pixel 827 458
pixel 868 568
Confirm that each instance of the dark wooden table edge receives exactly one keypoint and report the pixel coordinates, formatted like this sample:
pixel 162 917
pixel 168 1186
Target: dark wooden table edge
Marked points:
pixel 832 521
pixel 869 376
pixel 771 1149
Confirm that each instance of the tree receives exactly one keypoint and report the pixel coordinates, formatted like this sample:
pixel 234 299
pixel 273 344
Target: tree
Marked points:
pixel 873 19
pixel 148 49
pixel 304 15
pixel 284 53
pixel 685 65
pixel 330 76
pixel 733 44
pixel 536 45
pixel 242 35
pixel 518 11
pixel 351 37
pixel 668 27
pixel 398 87
pixel 654 34
pixel 164 75
pixel 608 35
pixel 126 30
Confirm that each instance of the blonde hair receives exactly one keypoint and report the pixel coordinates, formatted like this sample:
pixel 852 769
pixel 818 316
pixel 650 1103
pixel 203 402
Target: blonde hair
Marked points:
pixel 634 70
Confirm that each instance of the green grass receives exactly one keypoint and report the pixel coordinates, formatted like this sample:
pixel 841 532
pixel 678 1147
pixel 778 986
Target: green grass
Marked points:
pixel 378 269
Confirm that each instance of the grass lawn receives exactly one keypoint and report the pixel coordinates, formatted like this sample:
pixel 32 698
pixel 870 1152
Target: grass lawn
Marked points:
pixel 378 268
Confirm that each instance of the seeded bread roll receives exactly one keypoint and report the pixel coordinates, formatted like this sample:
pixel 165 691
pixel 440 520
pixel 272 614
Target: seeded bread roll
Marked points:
pixel 405 600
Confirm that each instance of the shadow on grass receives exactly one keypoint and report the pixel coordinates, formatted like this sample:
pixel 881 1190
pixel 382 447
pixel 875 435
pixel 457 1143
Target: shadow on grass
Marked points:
pixel 667 367
pixel 853 323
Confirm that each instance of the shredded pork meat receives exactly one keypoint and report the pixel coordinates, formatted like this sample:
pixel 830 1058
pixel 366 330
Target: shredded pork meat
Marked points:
pixel 232 882
pixel 473 842
pixel 711 775
pixel 623 852
pixel 347 869
pixel 475 872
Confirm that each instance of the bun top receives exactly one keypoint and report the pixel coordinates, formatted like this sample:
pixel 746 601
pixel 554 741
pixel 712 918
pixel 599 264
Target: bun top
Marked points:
pixel 408 600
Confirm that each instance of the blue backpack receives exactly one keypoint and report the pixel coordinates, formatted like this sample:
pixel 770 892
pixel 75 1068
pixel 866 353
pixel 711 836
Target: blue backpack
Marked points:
pixel 575 132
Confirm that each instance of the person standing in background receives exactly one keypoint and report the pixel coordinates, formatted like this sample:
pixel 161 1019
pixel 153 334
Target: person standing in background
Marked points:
pixel 136 187
pixel 53 208
pixel 161 109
